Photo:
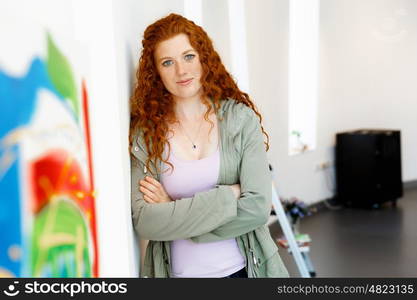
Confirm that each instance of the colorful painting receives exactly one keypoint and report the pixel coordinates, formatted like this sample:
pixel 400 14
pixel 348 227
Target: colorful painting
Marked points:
pixel 47 203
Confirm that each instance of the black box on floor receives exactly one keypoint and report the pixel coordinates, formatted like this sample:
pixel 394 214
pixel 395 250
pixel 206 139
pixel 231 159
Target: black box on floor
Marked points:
pixel 368 167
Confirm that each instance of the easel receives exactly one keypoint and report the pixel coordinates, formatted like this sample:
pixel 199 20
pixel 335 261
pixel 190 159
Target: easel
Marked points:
pixel 301 258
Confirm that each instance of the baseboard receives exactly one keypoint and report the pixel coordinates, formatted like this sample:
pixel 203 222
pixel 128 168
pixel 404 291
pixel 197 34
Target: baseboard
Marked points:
pixel 412 184
pixel 327 203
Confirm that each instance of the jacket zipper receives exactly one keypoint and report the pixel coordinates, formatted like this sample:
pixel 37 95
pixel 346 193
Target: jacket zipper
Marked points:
pixel 255 260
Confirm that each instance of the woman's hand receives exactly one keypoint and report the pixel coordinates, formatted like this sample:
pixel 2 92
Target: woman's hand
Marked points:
pixel 236 190
pixel 153 191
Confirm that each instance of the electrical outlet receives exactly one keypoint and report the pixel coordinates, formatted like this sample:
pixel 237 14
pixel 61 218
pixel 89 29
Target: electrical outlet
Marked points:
pixel 323 165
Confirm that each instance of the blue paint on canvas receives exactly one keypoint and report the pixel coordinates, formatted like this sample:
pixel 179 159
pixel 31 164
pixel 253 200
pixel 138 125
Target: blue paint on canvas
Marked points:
pixel 18 97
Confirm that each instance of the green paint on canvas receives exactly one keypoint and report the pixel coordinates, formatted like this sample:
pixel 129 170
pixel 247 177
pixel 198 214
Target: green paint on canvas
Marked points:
pixel 61 75
pixel 60 241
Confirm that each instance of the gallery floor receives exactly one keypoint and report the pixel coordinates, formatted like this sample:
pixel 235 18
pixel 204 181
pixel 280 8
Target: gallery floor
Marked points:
pixel 352 242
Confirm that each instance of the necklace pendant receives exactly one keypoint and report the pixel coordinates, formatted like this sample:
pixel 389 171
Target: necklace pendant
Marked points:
pixel 194 147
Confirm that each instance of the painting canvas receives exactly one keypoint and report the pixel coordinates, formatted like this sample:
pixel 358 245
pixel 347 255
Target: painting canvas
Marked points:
pixel 47 197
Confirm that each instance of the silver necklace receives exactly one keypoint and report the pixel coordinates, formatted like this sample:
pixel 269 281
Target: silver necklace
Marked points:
pixel 198 131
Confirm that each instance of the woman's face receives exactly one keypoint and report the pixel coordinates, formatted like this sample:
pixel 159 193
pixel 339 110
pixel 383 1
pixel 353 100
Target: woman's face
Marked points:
pixel 179 67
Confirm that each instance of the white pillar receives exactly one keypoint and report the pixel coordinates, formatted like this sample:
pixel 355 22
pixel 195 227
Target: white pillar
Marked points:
pixel 238 46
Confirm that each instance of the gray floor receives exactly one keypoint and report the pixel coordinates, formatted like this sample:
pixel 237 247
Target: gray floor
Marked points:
pixel 352 242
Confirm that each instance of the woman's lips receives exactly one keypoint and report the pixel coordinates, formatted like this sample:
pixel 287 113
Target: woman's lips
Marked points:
pixel 185 82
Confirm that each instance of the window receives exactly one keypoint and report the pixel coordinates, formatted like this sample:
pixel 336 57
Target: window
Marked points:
pixel 303 74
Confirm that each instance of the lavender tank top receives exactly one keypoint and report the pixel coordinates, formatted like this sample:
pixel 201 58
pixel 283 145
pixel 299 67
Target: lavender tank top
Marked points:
pixel 189 259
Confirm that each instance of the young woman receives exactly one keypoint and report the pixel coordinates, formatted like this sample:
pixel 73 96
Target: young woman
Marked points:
pixel 201 188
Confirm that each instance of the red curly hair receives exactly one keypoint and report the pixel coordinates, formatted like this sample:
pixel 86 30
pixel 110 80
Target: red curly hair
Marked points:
pixel 152 105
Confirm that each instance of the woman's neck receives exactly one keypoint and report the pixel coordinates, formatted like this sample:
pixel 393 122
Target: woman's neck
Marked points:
pixel 189 109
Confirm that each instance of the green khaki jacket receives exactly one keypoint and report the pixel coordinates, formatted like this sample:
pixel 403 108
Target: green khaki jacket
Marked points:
pixel 215 214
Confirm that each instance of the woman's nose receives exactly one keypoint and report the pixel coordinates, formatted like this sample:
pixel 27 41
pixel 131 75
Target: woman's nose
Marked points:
pixel 180 68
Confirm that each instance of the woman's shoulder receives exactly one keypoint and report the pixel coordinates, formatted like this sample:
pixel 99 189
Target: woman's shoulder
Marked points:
pixel 233 108
pixel 237 113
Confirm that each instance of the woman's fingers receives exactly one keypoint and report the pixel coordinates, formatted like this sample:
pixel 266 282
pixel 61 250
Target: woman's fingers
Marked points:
pixel 147 199
pixel 148 185
pixel 148 193
pixel 153 185
pixel 153 181
pixel 153 190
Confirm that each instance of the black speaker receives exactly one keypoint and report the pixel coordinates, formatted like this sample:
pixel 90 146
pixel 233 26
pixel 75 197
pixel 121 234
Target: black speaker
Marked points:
pixel 368 167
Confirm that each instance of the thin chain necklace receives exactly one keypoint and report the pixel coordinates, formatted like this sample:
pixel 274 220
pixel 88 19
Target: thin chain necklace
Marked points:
pixel 198 131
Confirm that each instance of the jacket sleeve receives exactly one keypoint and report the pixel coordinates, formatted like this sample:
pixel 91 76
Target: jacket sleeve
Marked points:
pixel 179 219
pixel 254 205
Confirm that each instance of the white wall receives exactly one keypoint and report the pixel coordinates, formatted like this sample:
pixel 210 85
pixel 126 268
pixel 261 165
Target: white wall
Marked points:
pixel 109 140
pixel 367 79
pixel 216 24
pixel 369 70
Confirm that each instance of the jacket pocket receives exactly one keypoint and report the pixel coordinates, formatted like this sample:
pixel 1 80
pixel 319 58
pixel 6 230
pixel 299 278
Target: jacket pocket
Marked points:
pixel 275 268
pixel 265 242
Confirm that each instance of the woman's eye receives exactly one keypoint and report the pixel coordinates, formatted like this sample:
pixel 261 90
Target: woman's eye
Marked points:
pixel 189 56
pixel 167 63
